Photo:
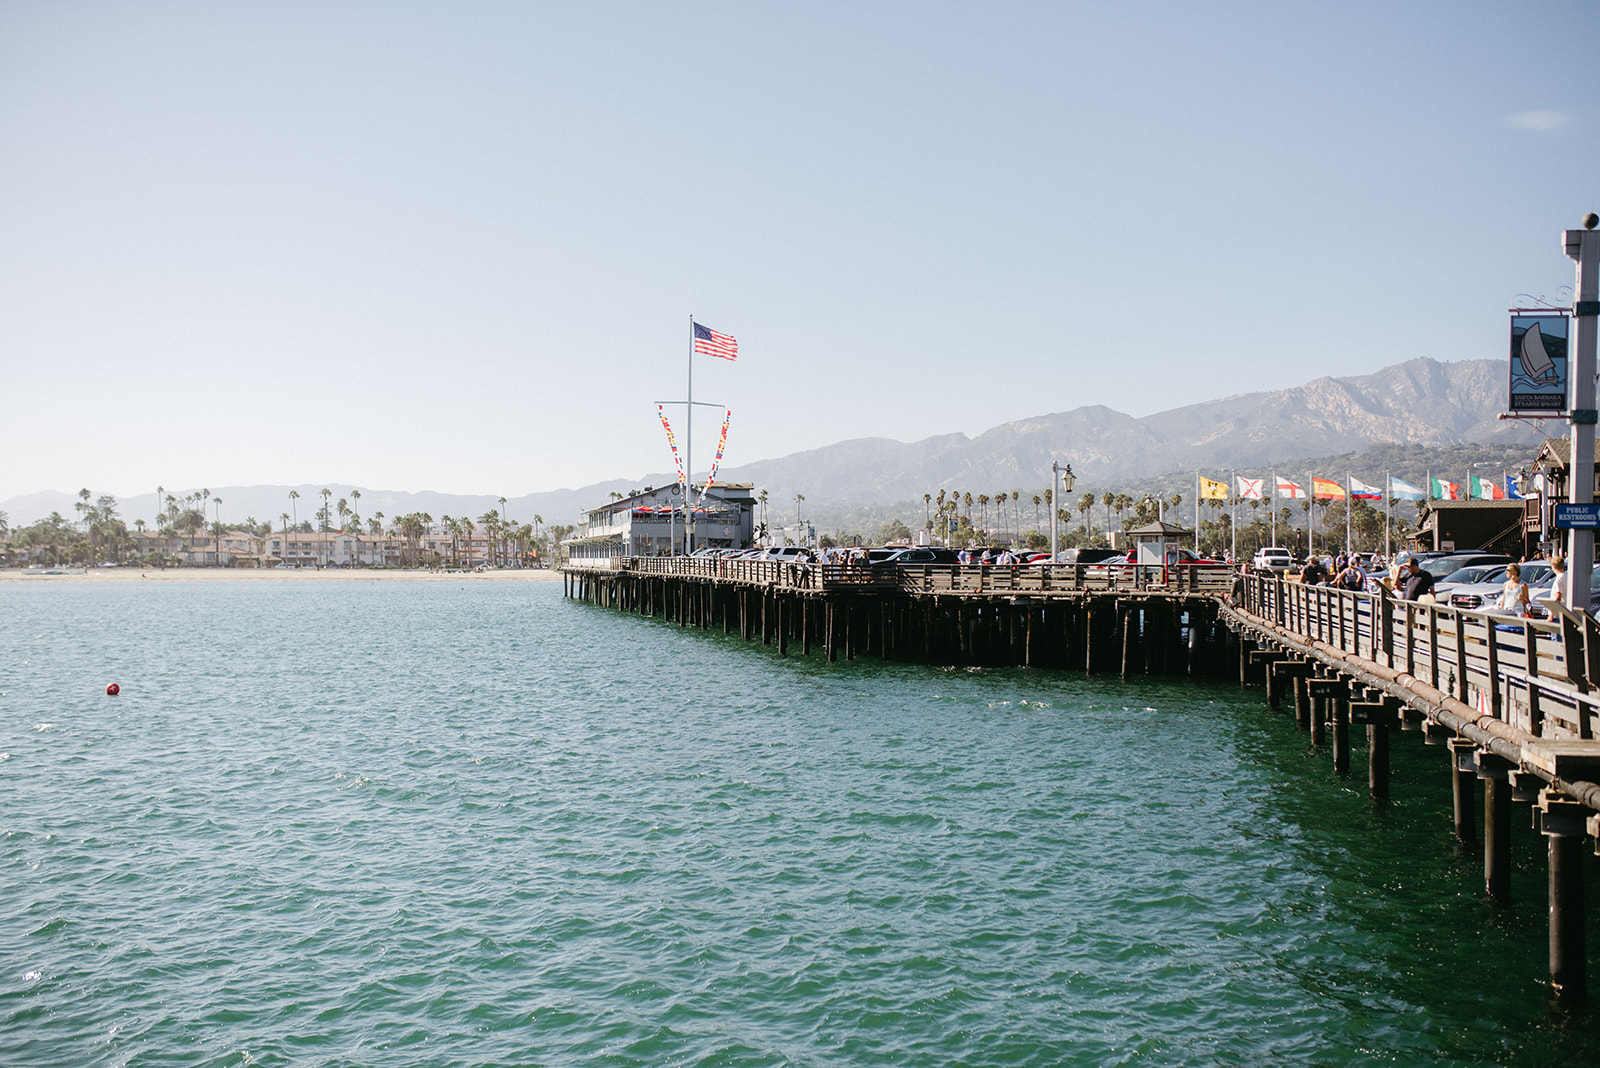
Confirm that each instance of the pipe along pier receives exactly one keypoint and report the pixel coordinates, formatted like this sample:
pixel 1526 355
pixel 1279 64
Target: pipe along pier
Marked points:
pixel 1514 703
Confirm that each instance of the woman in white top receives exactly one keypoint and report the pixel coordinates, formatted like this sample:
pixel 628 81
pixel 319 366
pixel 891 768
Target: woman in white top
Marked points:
pixel 1514 594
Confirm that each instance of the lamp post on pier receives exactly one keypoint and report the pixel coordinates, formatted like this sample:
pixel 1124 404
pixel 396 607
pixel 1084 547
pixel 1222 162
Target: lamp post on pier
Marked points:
pixel 1060 485
pixel 1583 246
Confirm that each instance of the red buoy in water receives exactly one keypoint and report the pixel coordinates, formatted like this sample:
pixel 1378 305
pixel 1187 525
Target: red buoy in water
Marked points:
pixel 113 690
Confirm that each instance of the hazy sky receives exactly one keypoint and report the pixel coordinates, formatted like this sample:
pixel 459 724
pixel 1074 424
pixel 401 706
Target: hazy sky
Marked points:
pixel 456 246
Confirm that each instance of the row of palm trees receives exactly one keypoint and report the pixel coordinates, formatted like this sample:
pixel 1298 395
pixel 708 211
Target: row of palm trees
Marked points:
pixel 950 512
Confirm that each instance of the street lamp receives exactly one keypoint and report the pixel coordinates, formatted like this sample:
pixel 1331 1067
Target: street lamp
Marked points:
pixel 1060 484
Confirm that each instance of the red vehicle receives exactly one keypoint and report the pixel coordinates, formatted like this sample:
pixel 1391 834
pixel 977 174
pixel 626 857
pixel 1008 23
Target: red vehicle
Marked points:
pixel 1178 565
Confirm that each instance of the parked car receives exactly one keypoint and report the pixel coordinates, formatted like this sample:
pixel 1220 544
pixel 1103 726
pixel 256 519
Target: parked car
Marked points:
pixel 1440 566
pixel 1179 562
pixel 1087 556
pixel 1466 576
pixel 1272 558
pixel 1486 591
pixel 922 555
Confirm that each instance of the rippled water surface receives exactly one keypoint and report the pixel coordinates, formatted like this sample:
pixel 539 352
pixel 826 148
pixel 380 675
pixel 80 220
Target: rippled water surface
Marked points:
pixel 402 824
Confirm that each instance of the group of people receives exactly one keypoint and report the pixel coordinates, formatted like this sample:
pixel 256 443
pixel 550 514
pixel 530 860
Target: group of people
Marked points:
pixel 1002 556
pixel 1407 580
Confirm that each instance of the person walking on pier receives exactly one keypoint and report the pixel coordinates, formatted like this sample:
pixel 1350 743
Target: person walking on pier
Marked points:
pixel 1558 589
pixel 1514 594
pixel 1419 583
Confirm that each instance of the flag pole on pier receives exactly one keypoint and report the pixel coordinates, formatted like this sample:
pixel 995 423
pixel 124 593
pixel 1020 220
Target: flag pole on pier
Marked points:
pixel 1349 506
pixel 1388 514
pixel 1272 507
pixel 688 451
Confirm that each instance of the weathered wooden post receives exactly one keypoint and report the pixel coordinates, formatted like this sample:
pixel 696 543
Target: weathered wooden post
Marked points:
pixel 1463 788
pixel 1495 774
pixel 1562 823
pixel 1378 715
pixel 1340 704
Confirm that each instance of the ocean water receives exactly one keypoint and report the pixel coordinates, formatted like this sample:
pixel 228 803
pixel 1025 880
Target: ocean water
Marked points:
pixel 418 824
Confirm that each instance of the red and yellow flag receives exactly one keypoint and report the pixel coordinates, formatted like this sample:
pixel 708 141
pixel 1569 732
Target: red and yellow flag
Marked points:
pixel 1326 489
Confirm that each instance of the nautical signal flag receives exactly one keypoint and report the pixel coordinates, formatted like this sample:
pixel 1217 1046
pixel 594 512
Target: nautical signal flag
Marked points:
pixel 1440 490
pixel 1363 492
pixel 1326 489
pixel 1249 488
pixel 1290 489
pixel 1212 490
pixel 1513 488
pixel 1486 489
pixel 708 342
pixel 1404 491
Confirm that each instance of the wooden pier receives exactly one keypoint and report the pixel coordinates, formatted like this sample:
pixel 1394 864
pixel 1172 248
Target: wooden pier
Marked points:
pixel 1120 618
pixel 1515 704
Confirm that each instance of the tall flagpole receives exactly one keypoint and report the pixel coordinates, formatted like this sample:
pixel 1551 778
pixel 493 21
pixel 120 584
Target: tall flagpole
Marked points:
pixel 1388 515
pixel 688 453
pixel 1349 506
pixel 1197 511
pixel 1272 507
pixel 1233 516
pixel 1311 515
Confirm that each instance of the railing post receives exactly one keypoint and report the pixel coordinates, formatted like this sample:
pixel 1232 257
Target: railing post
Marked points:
pixel 1385 625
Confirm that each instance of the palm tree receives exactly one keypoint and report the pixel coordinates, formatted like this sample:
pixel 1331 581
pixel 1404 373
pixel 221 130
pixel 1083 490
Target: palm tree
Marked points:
pixel 326 513
pixel 1085 503
pixel 294 495
pixel 467 529
pixel 983 504
pixel 355 506
pixel 927 523
pixel 344 511
pixel 1108 499
pixel 494 529
pixel 1037 500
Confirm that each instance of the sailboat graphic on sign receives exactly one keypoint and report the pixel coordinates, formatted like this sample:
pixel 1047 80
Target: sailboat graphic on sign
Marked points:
pixel 1536 362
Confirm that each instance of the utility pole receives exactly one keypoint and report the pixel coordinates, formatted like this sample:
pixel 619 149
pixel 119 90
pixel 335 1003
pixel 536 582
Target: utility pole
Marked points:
pixel 1583 246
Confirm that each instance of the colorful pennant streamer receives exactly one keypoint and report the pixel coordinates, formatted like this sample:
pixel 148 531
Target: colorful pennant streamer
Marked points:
pixel 677 460
pixel 722 445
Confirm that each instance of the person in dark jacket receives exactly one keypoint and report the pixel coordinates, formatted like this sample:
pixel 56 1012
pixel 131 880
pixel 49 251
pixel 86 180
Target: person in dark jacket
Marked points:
pixel 1417 581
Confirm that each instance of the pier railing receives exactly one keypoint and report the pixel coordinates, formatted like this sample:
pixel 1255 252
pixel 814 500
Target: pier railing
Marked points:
pixel 1041 580
pixel 1539 676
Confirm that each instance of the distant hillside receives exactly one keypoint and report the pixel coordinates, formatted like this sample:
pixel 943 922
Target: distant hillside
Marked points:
pixel 1422 403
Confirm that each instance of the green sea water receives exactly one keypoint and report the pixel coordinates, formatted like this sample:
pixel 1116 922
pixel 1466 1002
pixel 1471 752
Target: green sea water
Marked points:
pixel 419 824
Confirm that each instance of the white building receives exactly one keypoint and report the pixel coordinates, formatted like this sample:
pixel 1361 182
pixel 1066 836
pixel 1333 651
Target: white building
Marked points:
pixel 651 523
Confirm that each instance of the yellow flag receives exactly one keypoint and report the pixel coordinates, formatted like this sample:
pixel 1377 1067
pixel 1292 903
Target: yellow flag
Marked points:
pixel 1211 490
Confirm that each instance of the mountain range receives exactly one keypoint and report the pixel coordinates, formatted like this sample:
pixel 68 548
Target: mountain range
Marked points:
pixel 1422 402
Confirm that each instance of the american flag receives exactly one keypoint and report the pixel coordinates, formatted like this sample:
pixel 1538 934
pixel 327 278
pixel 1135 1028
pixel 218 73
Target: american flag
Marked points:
pixel 710 343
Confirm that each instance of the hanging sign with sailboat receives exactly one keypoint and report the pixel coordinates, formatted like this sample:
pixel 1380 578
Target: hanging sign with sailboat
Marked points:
pixel 1539 362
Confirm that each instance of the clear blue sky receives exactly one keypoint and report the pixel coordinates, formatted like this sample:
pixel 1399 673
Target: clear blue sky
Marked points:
pixel 455 246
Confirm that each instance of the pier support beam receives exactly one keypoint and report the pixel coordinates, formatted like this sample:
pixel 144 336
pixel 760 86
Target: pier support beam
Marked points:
pixel 1495 774
pixel 1464 789
pixel 1341 734
pixel 1378 715
pixel 1561 822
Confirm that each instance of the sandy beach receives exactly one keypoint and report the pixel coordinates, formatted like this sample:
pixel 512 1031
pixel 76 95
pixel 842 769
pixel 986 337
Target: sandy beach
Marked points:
pixel 242 574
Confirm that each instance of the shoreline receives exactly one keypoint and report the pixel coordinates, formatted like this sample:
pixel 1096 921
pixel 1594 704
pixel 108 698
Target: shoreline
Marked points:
pixel 251 574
